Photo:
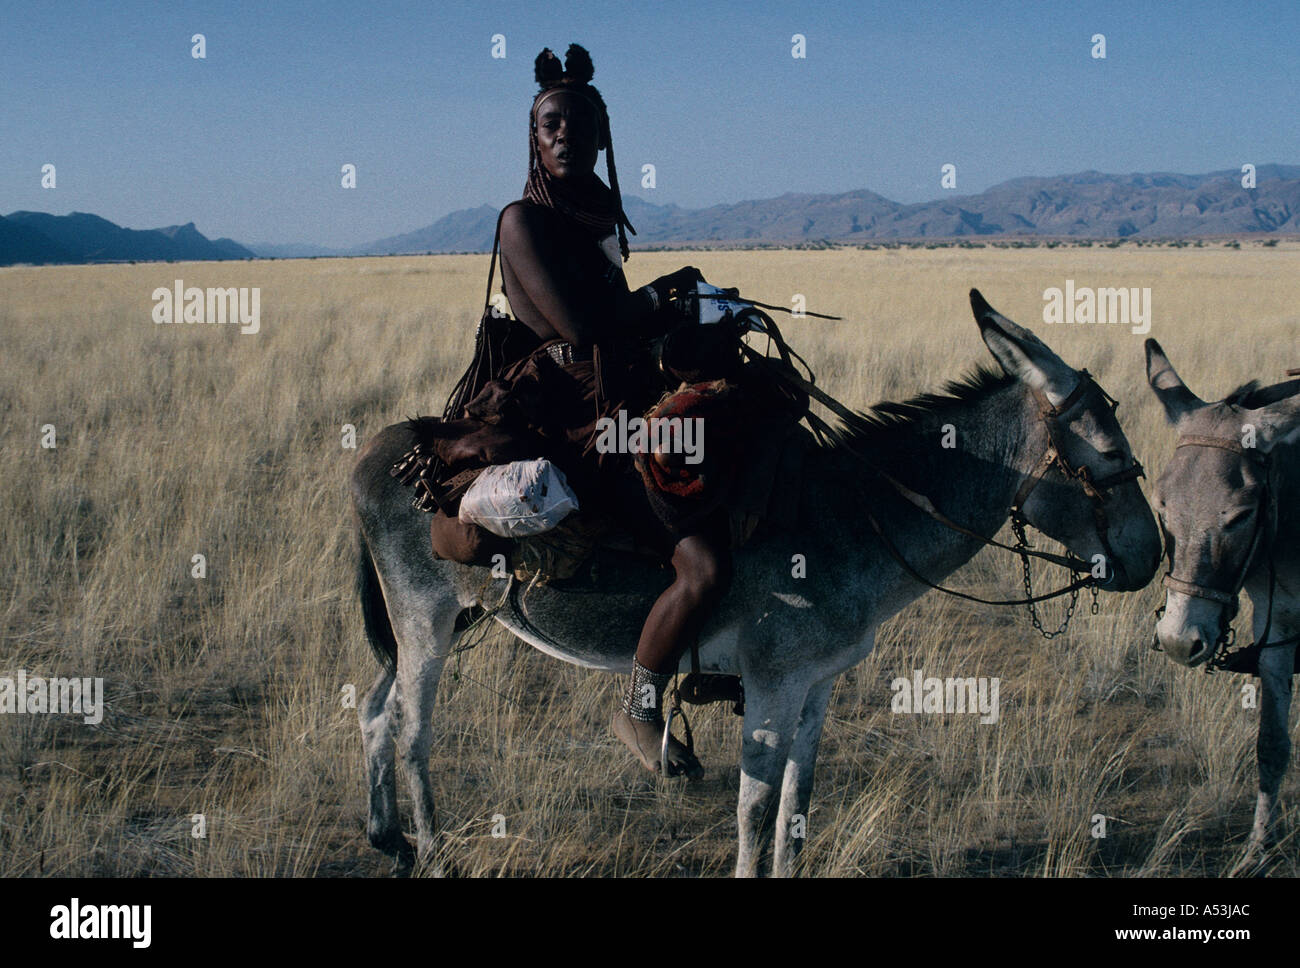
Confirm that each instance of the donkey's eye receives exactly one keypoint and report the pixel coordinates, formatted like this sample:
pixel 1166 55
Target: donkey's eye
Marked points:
pixel 1113 455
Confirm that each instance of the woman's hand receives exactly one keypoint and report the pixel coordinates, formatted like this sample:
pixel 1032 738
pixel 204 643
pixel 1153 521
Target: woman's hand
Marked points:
pixel 684 278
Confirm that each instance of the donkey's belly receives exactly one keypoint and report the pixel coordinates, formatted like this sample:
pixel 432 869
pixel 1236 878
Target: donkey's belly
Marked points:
pixel 594 619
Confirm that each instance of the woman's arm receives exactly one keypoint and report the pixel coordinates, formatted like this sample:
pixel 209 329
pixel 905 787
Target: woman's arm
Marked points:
pixel 529 246
pixel 536 262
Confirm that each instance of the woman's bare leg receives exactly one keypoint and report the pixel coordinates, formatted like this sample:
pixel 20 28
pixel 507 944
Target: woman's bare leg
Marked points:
pixel 703 572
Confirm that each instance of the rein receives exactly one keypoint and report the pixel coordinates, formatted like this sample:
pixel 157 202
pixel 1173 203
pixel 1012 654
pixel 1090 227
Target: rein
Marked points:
pixel 1093 488
pixel 1049 415
pixel 1223 657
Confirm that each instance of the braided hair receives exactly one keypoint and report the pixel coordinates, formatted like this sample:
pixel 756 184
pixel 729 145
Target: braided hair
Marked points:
pixel 595 205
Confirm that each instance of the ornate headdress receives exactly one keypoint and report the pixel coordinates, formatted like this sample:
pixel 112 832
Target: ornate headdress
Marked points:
pixel 592 204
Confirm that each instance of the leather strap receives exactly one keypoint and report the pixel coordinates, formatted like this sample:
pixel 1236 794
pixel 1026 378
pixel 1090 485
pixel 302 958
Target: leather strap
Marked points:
pixel 492 266
pixel 1198 591
pixel 1223 443
pixel 916 576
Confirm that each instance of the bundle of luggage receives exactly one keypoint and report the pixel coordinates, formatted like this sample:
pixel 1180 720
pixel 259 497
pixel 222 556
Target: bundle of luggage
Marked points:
pixel 514 469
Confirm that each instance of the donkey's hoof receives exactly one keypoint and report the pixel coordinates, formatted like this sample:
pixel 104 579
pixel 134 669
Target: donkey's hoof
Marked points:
pixel 400 850
pixel 404 862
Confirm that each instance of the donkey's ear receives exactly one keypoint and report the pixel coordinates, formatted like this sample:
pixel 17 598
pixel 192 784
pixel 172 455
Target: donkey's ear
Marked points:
pixel 1279 423
pixel 1168 386
pixel 1021 354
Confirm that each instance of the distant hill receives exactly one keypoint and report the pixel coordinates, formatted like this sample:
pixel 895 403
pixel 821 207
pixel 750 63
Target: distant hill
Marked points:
pixel 466 230
pixel 38 238
pixel 20 244
pixel 1088 205
pixel 461 231
pixel 1098 206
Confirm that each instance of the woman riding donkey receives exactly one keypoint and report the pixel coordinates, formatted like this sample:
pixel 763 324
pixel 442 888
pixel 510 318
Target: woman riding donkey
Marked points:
pixel 564 279
pixel 562 247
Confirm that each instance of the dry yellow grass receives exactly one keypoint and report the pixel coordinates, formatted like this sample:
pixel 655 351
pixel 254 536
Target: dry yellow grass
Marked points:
pixel 225 694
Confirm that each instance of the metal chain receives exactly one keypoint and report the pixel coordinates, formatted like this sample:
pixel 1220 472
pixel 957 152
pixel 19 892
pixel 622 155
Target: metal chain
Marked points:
pixel 1223 654
pixel 1018 529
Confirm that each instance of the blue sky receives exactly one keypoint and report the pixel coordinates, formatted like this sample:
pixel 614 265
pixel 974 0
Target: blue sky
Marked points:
pixel 248 142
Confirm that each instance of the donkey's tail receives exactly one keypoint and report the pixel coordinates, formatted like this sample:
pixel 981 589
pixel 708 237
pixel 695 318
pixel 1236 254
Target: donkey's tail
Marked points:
pixel 374 610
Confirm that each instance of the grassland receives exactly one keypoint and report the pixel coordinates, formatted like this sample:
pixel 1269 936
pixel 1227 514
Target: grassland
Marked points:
pixel 225 695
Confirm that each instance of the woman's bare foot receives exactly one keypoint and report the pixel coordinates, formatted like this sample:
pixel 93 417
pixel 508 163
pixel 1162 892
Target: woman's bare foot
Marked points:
pixel 644 740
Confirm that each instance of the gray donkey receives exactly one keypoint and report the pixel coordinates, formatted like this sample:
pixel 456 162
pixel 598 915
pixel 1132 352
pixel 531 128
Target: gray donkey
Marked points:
pixel 1229 501
pixel 803 606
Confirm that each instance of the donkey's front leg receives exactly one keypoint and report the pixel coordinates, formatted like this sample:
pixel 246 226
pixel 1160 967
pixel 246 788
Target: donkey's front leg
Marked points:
pixel 771 715
pixel 796 788
pixel 1273 748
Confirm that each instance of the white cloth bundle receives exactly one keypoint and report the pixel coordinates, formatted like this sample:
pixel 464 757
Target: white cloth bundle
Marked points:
pixel 519 499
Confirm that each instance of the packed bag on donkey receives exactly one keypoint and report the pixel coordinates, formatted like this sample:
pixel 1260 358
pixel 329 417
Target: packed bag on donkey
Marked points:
pixel 522 498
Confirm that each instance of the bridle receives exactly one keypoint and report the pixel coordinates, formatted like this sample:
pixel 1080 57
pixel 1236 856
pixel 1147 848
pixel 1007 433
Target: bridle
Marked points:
pixel 1094 488
pixel 1262 520
pixel 1263 538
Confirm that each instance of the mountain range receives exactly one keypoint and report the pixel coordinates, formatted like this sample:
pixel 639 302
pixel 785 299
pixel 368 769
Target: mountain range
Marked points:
pixel 37 238
pixel 1088 205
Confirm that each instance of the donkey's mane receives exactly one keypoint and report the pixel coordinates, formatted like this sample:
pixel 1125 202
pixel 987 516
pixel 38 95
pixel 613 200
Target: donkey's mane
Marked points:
pixel 1251 396
pixel 1239 396
pixel 882 426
